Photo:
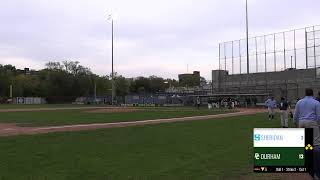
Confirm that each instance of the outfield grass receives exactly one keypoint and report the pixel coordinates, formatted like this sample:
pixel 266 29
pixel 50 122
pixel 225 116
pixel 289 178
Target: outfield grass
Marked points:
pixel 65 117
pixel 197 150
pixel 36 106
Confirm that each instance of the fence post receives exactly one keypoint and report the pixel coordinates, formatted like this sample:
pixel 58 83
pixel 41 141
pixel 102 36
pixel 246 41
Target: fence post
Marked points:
pixel 275 54
pixel 306 43
pixel 240 54
pixel 295 49
pixel 284 51
pixel 314 48
pixel 257 69
pixel 232 60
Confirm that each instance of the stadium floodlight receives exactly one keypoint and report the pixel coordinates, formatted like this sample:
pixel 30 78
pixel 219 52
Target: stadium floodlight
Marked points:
pixel 111 19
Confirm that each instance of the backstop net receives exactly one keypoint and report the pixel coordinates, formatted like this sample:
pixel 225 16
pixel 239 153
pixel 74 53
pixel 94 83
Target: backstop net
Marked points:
pixel 298 48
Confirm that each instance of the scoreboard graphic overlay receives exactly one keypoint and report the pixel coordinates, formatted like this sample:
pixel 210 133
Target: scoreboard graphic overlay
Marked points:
pixel 285 150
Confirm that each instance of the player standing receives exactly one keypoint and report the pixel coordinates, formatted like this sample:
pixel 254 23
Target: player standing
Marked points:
pixel 307 115
pixel 271 104
pixel 284 113
pixel 198 102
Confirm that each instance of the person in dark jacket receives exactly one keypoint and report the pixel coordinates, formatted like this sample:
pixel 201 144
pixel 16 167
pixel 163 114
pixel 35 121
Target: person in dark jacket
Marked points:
pixel 283 106
pixel 317 150
pixel 318 97
pixel 307 115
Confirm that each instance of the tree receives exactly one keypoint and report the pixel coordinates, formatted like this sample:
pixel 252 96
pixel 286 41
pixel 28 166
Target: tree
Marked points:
pixel 7 73
pixel 54 66
pixel 103 84
pixel 203 81
pixel 25 85
pixel 140 84
pixel 157 84
pixel 64 81
pixel 122 86
pixel 74 68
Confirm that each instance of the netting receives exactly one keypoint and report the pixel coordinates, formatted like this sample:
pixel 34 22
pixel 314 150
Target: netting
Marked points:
pixel 298 48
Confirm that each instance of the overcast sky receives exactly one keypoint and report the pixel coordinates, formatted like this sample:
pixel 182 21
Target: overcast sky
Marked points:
pixel 152 37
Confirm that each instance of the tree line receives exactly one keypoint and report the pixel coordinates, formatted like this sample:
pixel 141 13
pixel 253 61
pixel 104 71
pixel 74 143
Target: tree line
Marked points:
pixel 69 79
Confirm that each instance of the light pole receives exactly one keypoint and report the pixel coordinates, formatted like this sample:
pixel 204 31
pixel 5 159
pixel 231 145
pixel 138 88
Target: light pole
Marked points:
pixel 111 19
pixel 247 34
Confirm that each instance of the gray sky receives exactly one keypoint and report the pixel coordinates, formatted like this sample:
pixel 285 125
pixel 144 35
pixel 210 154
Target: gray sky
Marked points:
pixel 152 37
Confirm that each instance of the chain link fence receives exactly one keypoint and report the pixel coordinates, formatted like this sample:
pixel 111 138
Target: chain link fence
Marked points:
pixel 313 48
pixel 298 48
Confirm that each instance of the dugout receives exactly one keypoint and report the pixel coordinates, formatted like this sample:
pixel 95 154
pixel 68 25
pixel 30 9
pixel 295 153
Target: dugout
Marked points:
pixel 244 100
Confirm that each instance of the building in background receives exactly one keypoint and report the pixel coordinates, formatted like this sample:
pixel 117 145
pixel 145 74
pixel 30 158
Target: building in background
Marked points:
pixel 190 80
pixel 27 71
pixel 290 83
pixel 281 64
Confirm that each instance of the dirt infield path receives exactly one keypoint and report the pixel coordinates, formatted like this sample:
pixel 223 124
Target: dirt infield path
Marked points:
pixel 7 129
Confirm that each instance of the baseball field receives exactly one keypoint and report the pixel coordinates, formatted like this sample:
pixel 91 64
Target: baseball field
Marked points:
pixel 80 142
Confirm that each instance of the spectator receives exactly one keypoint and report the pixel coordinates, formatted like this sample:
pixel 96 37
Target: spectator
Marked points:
pixel 318 97
pixel 307 115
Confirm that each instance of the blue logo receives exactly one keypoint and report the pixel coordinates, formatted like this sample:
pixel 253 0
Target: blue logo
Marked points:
pixel 257 137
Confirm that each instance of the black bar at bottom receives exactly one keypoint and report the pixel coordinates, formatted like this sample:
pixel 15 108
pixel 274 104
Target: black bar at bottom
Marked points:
pixel 281 169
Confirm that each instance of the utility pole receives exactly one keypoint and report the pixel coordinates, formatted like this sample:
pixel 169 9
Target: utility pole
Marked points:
pixel 111 19
pixel 95 92
pixel 113 90
pixel 11 95
pixel 247 34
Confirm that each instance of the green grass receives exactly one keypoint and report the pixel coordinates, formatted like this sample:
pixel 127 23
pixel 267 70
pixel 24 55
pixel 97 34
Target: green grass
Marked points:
pixel 36 106
pixel 65 117
pixel 197 150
